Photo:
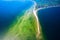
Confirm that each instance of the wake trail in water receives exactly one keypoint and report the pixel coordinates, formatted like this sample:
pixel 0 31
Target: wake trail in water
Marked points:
pixel 38 26
pixel 35 14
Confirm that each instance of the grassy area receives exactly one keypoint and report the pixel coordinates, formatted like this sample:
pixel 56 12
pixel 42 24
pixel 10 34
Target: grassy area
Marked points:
pixel 24 28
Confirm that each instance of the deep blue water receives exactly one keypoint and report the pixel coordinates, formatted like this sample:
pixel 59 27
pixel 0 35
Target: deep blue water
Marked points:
pixel 50 22
pixel 9 11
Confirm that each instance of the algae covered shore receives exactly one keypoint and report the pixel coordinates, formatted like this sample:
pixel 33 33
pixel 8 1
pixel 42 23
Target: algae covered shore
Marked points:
pixel 23 28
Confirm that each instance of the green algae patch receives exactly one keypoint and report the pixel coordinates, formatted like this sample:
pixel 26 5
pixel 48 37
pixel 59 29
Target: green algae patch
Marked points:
pixel 23 28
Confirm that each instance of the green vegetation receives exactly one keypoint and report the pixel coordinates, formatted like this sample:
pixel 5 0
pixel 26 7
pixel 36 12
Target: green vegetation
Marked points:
pixel 23 28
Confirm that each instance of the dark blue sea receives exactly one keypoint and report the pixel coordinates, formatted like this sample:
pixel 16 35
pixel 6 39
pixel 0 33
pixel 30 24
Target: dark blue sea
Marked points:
pixel 50 22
